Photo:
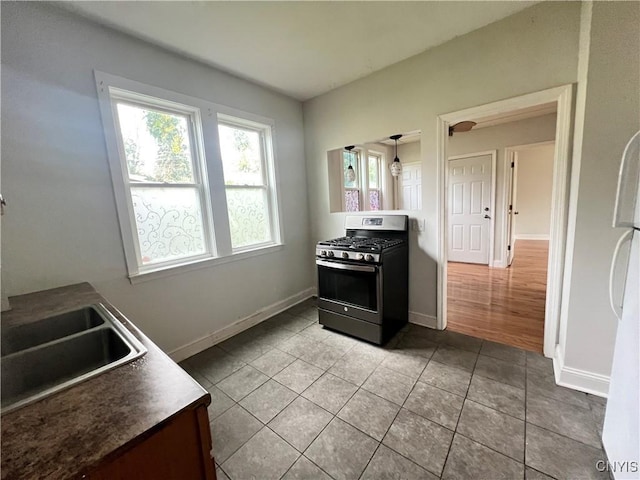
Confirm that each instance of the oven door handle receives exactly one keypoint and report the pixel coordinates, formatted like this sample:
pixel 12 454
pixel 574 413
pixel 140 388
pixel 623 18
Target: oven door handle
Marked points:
pixel 346 266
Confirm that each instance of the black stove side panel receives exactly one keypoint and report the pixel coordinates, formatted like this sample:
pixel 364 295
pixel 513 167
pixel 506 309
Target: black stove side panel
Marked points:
pixel 395 298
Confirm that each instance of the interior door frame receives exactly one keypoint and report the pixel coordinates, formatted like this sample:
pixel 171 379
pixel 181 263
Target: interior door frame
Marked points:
pixel 492 197
pixel 561 210
pixel 509 219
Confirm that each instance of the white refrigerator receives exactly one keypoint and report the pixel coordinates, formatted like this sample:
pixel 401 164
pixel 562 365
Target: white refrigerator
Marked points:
pixel 622 422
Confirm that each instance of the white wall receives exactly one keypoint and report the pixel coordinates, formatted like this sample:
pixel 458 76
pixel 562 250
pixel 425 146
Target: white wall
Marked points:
pixel 527 52
pixel 534 186
pixel 521 132
pixel 608 102
pixel 62 227
pixel 407 153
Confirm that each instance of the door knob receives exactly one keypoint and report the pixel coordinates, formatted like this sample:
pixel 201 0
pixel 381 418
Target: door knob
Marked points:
pixel 487 216
pixel 516 213
pixel 486 209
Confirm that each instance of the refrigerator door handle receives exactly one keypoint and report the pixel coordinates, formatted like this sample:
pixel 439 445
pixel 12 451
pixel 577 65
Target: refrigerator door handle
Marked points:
pixel 626 237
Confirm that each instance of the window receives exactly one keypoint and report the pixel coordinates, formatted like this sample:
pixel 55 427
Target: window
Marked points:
pixel 350 160
pixel 184 168
pixel 243 147
pixel 364 190
pixel 374 161
pixel 163 181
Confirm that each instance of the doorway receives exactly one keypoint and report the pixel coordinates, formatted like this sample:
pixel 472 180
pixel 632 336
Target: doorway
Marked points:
pixel 530 188
pixel 561 99
pixel 506 303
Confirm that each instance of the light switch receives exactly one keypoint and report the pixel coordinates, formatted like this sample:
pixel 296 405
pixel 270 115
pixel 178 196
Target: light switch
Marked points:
pixel 417 224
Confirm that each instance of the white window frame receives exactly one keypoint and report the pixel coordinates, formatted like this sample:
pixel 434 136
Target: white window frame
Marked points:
pixel 380 159
pixel 358 187
pixel 267 170
pixel 362 178
pixel 208 171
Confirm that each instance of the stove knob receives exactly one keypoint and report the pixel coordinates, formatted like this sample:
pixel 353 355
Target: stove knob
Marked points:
pixel 360 256
pixel 323 253
pixel 329 253
pixel 369 258
pixel 345 255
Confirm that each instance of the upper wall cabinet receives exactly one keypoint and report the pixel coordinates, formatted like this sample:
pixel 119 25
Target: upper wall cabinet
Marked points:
pixel 360 177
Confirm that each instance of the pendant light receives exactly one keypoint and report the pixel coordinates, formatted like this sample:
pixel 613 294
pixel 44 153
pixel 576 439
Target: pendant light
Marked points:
pixel 350 174
pixel 396 166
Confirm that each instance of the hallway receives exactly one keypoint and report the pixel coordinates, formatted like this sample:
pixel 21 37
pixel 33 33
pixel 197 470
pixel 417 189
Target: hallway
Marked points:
pixel 505 305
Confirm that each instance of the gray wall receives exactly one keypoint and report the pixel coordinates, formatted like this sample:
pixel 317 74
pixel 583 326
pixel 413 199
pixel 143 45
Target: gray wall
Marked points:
pixel 534 187
pixel 527 52
pixel 608 106
pixel 61 227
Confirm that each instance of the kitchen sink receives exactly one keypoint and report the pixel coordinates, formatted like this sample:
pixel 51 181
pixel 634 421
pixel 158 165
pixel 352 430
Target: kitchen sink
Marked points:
pixel 49 329
pixel 54 353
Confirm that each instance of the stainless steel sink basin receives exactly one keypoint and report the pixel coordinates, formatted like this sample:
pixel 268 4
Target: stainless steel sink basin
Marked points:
pixel 44 357
pixel 48 329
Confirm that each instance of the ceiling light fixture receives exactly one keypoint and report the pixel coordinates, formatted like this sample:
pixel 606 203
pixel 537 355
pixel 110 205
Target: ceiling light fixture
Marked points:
pixel 461 127
pixel 350 174
pixel 396 166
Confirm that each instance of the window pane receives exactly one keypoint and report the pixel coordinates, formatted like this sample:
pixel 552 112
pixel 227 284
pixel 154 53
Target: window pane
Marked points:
pixel 350 159
pixel 374 199
pixel 241 156
pixel 374 172
pixel 248 216
pixel 169 223
pixel 352 200
pixel 156 145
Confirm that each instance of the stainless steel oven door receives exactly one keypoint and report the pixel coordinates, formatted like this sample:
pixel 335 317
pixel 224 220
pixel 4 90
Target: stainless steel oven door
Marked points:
pixel 350 289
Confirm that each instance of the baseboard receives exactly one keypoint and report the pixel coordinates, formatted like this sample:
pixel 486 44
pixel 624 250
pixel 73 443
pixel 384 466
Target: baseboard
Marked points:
pixel 423 320
pixel 499 264
pixel 241 325
pixel 532 236
pixel 577 379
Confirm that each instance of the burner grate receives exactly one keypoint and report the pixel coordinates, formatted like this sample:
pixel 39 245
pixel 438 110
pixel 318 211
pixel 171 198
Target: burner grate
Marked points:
pixel 362 243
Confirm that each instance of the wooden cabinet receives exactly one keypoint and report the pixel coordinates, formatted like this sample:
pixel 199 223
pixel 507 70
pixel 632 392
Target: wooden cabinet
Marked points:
pixel 176 449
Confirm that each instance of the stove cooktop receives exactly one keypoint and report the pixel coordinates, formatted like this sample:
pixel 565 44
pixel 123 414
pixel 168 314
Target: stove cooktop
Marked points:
pixel 361 244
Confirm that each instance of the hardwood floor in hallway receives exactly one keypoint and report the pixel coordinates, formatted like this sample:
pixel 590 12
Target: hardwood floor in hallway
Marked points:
pixel 505 305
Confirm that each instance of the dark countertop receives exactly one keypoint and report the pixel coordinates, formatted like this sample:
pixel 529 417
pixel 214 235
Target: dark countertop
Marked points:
pixel 65 434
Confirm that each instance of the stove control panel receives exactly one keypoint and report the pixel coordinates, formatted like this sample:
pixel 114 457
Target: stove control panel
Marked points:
pixel 347 255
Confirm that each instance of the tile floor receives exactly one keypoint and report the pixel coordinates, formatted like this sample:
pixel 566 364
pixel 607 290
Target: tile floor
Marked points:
pixel 293 400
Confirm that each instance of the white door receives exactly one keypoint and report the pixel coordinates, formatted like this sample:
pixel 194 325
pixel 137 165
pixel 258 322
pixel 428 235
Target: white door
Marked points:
pixel 410 187
pixel 469 209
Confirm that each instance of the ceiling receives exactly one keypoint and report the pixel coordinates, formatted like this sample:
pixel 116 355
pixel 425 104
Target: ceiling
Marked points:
pixel 299 48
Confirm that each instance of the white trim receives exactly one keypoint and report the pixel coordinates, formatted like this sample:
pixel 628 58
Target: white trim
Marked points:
pixel 423 320
pixel 563 95
pixel 241 325
pixel 532 236
pixel 202 263
pixel 492 199
pixel 508 194
pixel 500 264
pixel 577 379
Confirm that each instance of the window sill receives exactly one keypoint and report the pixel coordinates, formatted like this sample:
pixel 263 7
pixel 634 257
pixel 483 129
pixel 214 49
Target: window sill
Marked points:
pixel 202 263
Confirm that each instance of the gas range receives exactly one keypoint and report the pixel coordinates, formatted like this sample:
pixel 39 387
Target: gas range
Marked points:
pixel 356 248
pixel 363 277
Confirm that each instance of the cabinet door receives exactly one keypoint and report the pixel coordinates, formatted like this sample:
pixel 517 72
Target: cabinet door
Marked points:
pixel 179 449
